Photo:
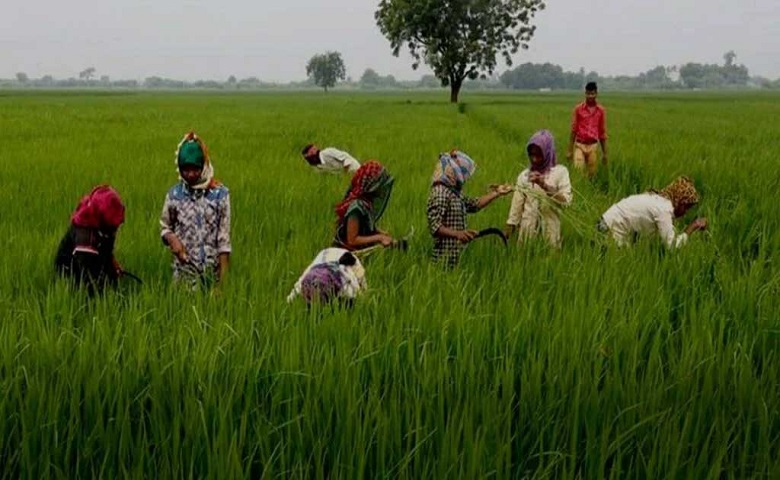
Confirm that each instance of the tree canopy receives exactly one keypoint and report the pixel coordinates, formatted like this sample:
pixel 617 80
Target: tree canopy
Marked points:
pixel 326 69
pixel 458 39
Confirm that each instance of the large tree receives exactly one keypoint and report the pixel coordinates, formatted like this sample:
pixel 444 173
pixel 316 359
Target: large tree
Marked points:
pixel 370 78
pixel 326 69
pixel 87 73
pixel 458 39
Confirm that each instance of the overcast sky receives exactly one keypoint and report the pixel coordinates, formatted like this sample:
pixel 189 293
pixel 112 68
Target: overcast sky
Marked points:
pixel 273 39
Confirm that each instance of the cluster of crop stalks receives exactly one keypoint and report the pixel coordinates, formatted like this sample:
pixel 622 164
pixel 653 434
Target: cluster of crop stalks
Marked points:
pixel 585 362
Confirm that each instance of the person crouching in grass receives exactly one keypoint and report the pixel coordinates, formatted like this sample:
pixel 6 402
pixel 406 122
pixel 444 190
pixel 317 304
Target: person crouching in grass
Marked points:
pixel 359 212
pixel 542 189
pixel 447 206
pixel 195 220
pixel 653 213
pixel 334 275
pixel 86 252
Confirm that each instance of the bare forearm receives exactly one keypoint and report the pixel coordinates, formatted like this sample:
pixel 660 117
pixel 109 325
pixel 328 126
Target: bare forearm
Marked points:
pixel 559 197
pixel 360 241
pixel 169 238
pixel 553 193
pixel 224 263
pixel 446 232
pixel 486 199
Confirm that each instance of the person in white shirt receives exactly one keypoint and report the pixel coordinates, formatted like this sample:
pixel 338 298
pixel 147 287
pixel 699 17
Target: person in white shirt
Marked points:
pixel 653 213
pixel 335 274
pixel 329 159
pixel 541 190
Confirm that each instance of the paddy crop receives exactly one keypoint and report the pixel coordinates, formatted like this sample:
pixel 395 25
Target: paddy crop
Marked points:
pixel 585 362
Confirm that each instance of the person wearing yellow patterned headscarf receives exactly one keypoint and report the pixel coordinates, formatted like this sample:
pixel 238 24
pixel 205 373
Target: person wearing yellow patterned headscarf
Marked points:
pixel 654 212
pixel 682 193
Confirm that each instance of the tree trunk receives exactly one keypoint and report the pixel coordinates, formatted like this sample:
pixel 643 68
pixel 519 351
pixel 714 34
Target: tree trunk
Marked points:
pixel 455 90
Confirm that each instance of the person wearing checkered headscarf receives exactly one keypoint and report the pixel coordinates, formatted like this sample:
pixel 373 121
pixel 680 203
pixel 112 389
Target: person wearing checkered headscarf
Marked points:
pixel 448 207
pixel 653 213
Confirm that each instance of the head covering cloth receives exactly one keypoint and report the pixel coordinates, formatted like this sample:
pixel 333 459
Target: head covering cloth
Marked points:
pixel 368 194
pixel 322 283
pixel 101 209
pixel 453 170
pixel 545 141
pixel 192 151
pixel 680 192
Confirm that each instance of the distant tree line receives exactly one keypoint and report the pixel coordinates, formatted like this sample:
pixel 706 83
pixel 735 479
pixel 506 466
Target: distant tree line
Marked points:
pixel 328 71
pixel 533 76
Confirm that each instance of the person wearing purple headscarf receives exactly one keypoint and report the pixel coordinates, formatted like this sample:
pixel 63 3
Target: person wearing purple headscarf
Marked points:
pixel 541 190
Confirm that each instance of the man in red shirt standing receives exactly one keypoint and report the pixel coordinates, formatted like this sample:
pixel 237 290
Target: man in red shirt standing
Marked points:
pixel 588 128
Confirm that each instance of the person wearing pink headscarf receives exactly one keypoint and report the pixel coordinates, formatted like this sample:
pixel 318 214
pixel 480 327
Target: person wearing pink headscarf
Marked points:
pixel 86 252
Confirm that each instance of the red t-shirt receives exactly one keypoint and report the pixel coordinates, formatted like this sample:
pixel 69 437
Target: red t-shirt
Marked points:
pixel 589 123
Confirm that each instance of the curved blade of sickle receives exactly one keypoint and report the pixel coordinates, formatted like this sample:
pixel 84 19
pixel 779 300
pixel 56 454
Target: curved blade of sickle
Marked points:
pixel 493 231
pixel 133 276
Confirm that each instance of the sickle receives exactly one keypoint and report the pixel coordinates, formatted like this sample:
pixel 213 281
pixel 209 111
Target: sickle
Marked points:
pixel 493 231
pixel 401 244
pixel 132 276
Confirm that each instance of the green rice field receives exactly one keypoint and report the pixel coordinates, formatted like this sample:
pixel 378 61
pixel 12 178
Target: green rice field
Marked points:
pixel 588 362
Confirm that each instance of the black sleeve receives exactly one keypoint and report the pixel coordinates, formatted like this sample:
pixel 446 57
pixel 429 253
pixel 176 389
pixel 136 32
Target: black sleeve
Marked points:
pixel 64 255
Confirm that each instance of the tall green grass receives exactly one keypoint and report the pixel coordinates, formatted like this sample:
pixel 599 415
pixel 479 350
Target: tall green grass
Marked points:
pixel 588 362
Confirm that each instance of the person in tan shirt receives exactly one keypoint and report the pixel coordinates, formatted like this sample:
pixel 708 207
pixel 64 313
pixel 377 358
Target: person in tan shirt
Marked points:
pixel 541 190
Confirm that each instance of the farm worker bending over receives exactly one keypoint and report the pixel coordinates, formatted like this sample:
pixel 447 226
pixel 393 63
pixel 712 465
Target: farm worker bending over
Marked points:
pixel 335 274
pixel 86 252
pixel 447 206
pixel 588 128
pixel 362 207
pixel 541 190
pixel 195 220
pixel 653 212
pixel 329 159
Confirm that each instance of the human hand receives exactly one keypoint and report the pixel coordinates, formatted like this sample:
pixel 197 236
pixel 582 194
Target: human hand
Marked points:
pixel 386 240
pixel 569 154
pixel 117 268
pixel 502 190
pixel 604 159
pixel 700 224
pixel 536 177
pixel 177 248
pixel 465 236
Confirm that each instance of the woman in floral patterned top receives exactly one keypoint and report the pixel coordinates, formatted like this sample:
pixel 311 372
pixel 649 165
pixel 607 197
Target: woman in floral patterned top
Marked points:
pixel 195 220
